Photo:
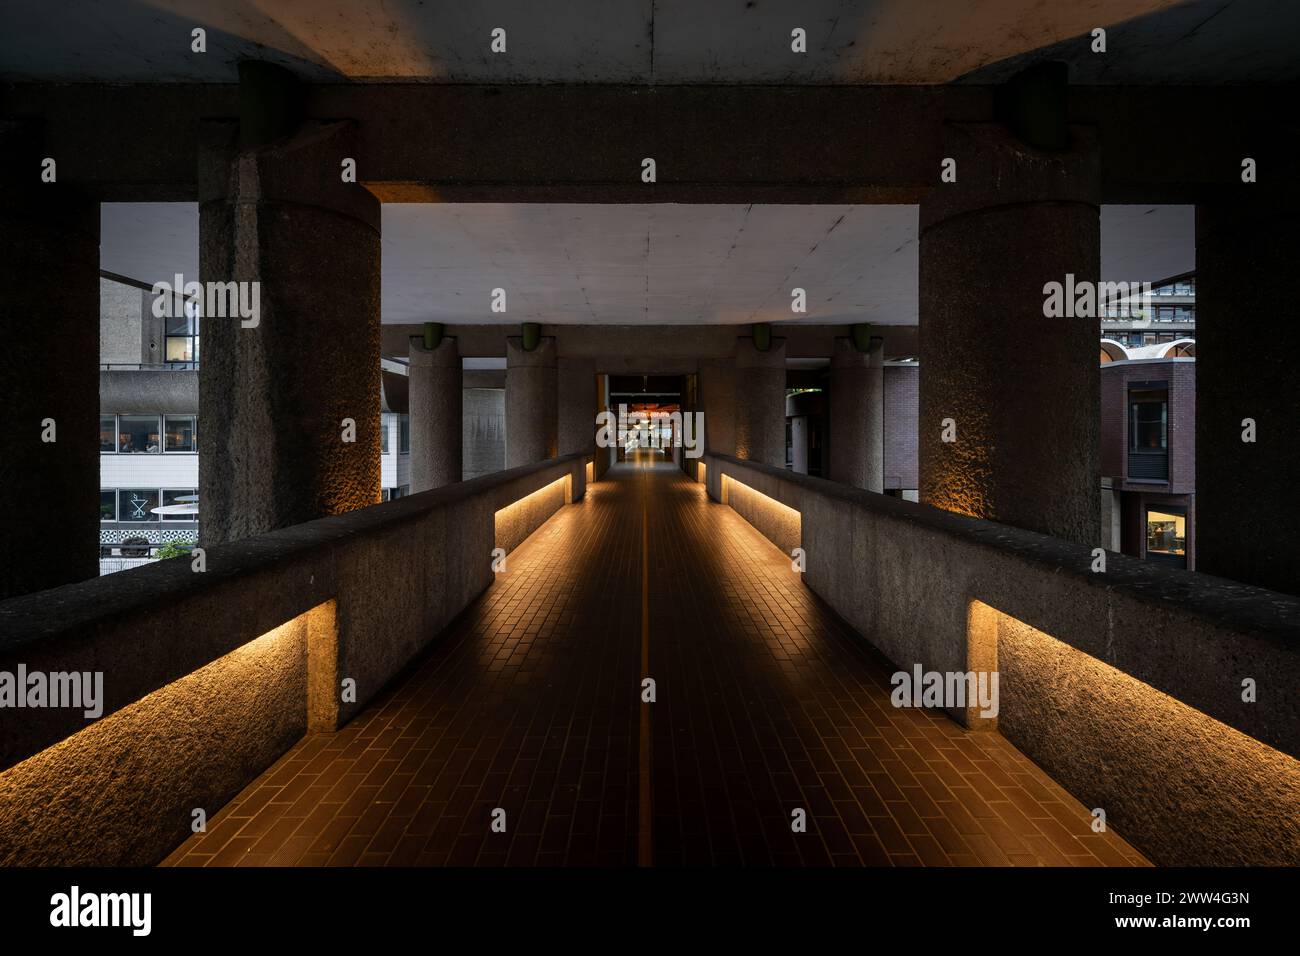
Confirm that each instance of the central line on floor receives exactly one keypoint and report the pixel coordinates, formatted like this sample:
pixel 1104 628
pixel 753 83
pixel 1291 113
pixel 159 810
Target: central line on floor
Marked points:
pixel 645 843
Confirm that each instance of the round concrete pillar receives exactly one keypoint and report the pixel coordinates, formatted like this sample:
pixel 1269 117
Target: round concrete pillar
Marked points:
pixel 1247 456
pixel 1009 398
pixel 289 398
pixel 857 415
pixel 760 402
pixel 531 394
pixel 436 414
pixel 49 311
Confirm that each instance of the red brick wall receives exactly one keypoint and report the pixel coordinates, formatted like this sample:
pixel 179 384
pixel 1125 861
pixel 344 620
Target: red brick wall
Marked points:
pixel 1115 379
pixel 902 385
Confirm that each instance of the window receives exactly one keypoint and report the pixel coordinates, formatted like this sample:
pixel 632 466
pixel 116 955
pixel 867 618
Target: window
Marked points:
pixel 138 434
pixel 383 435
pixel 107 505
pixel 182 336
pixel 404 434
pixel 108 433
pixel 180 433
pixel 1148 420
pixel 137 504
pixel 180 496
pixel 1167 535
pixel 1148 434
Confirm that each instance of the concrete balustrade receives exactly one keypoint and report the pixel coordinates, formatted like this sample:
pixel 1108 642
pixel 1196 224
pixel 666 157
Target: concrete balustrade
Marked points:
pixel 209 677
pixel 1126 685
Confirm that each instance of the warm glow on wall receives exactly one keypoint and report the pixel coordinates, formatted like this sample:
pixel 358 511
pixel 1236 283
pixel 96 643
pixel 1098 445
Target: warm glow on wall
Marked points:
pixel 779 523
pixel 517 520
pixel 1180 785
pixel 123 791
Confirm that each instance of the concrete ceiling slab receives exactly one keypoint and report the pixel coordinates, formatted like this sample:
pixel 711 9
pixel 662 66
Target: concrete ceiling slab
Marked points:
pixel 649 264
pixel 650 41
pixel 654 264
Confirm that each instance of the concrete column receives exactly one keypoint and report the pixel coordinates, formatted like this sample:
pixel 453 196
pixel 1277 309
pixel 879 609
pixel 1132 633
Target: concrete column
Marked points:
pixel 799 444
pixel 275 396
pixel 531 395
pixel 576 406
pixel 436 414
pixel 717 384
pixel 1021 390
pixel 760 402
pixel 857 415
pixel 49 318
pixel 1246 251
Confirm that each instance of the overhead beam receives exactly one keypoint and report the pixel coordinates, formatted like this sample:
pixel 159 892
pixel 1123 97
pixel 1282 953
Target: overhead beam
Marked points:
pixel 556 143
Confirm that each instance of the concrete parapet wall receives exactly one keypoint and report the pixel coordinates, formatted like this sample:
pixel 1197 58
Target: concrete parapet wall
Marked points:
pixel 1125 685
pixel 209 677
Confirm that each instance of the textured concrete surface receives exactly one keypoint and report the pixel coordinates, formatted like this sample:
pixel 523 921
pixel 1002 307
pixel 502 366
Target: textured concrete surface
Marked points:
pixel 436 403
pixel 122 791
pixel 531 395
pixel 149 391
pixel 1021 389
pixel 49 298
pixel 905 576
pixel 523 704
pixel 273 398
pixel 760 402
pixel 1246 250
pixel 1187 787
pixel 856 416
pixel 122 309
pixel 483 432
pixel 717 387
pixel 576 401
pixel 385 610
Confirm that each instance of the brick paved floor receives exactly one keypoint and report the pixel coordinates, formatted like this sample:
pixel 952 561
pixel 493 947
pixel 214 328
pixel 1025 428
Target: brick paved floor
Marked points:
pixel 765 702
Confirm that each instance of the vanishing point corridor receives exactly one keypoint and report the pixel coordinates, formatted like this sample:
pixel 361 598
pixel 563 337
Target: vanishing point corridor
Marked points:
pixel 765 703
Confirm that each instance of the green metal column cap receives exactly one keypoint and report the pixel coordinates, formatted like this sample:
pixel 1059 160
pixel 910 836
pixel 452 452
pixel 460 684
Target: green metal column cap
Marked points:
pixel 532 335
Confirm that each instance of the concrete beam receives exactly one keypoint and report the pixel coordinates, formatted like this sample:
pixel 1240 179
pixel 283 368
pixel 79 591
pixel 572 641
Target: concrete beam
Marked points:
pixel 653 349
pixel 557 143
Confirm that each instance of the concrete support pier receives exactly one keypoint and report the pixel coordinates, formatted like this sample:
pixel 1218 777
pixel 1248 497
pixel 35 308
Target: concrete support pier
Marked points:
pixel 760 402
pixel 856 402
pixel 1016 392
pixel 1246 251
pixel 49 317
pixel 576 398
pixel 531 396
pixel 436 411
pixel 289 400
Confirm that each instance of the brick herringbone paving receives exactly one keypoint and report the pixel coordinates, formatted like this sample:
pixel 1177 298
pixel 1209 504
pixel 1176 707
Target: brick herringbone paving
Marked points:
pixel 765 703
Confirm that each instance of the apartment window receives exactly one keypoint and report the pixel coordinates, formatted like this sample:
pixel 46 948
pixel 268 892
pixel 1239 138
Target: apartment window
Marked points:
pixel 107 505
pixel 383 435
pixel 181 433
pixel 178 496
pixel 108 433
pixel 137 504
pixel 1148 434
pixel 1167 535
pixel 404 434
pixel 182 336
pixel 138 434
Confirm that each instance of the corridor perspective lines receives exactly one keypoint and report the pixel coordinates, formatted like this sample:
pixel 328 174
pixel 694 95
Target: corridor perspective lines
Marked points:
pixel 765 703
